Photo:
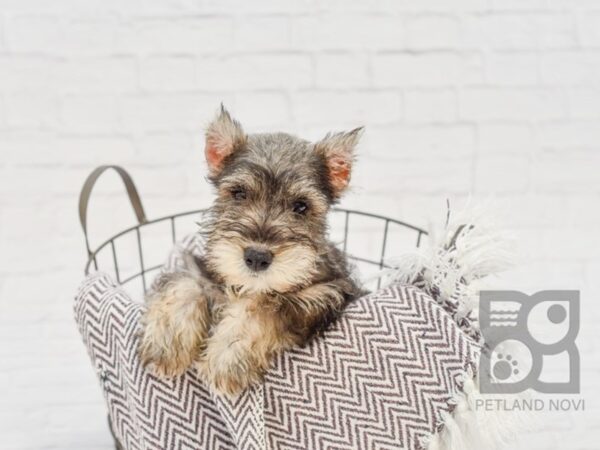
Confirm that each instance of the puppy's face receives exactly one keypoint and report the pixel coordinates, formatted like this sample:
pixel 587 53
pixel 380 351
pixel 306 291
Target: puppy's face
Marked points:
pixel 268 222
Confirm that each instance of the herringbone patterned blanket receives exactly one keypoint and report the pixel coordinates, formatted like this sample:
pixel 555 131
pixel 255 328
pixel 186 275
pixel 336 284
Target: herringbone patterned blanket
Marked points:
pixel 382 377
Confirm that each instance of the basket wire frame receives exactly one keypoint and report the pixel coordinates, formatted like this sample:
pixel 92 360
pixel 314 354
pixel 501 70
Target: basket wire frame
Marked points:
pixel 172 220
pixel 144 268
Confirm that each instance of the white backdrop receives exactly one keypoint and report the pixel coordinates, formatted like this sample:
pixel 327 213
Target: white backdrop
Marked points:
pixel 460 98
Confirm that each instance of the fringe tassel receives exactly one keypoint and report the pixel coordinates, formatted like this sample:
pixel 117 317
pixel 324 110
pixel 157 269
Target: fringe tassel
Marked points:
pixel 452 269
pixel 474 428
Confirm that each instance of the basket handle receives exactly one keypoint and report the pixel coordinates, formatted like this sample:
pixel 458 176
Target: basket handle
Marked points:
pixel 86 190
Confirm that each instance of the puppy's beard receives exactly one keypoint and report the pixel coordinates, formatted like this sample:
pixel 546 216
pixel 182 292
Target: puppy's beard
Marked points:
pixel 292 266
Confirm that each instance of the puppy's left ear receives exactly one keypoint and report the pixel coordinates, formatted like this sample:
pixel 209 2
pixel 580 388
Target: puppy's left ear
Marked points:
pixel 338 152
pixel 224 136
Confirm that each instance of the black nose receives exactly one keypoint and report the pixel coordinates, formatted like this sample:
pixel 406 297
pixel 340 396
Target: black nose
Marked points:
pixel 257 260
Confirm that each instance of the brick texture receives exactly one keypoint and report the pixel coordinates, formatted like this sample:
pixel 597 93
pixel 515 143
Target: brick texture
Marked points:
pixel 464 98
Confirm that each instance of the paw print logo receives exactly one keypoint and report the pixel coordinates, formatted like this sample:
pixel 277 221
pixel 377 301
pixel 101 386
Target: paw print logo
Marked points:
pixel 521 332
pixel 510 362
pixel 505 367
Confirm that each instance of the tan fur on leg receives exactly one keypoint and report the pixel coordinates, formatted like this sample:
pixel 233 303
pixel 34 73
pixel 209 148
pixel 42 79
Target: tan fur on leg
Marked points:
pixel 252 329
pixel 228 365
pixel 242 345
pixel 175 326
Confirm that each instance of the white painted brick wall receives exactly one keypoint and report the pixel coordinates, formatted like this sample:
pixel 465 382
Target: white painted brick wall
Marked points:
pixel 460 98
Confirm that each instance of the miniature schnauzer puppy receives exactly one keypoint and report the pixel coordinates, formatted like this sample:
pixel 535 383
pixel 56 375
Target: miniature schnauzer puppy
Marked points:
pixel 269 278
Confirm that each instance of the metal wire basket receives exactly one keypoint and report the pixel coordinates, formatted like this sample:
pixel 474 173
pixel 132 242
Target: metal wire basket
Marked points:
pixel 366 238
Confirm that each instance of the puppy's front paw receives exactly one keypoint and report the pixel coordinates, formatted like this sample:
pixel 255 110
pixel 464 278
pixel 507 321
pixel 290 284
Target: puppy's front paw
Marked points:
pixel 162 353
pixel 175 327
pixel 230 371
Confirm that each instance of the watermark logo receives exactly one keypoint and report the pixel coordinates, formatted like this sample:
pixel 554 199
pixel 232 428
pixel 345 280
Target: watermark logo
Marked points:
pixel 525 335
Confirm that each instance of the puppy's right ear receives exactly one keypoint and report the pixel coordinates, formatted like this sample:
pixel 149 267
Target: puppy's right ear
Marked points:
pixel 224 136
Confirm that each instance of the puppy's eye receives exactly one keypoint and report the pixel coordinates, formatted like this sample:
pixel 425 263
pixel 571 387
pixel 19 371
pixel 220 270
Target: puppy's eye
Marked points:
pixel 300 207
pixel 238 194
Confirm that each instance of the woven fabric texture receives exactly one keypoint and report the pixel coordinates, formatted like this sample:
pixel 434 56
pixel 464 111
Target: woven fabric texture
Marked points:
pixel 382 377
